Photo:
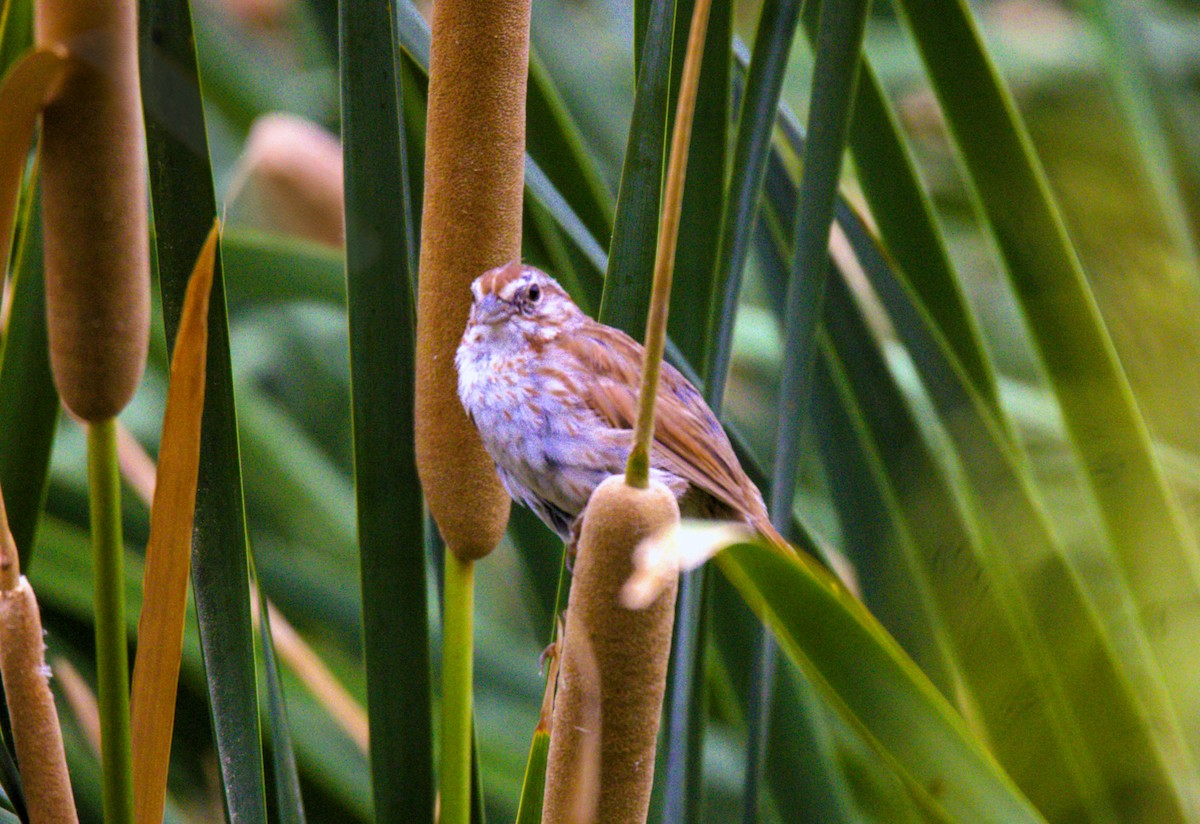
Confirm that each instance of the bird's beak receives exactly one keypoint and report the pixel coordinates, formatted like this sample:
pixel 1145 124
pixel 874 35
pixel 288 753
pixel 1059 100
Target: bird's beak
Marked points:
pixel 488 308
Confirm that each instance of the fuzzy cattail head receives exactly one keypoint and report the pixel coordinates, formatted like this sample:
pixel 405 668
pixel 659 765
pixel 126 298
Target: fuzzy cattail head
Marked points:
pixel 613 658
pixel 94 207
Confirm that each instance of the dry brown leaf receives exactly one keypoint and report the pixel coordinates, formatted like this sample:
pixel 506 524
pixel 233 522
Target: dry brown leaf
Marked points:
pixel 168 552
pixel 29 84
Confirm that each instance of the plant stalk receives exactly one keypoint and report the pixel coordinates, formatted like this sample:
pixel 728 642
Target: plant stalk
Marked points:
pixel 112 661
pixel 457 677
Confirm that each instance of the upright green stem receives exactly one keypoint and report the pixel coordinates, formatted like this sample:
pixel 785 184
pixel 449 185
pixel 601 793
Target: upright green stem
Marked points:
pixel 457 676
pixel 112 667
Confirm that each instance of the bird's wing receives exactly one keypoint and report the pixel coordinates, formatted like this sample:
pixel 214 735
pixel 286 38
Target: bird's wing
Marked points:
pixel 688 440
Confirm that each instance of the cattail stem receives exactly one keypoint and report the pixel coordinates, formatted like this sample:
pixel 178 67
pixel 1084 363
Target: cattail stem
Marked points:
pixel 458 663
pixel 637 470
pixel 112 657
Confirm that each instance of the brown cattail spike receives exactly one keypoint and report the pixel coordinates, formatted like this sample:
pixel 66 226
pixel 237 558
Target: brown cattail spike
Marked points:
pixel 474 167
pixel 617 654
pixel 94 207
pixel 36 732
pixel 35 728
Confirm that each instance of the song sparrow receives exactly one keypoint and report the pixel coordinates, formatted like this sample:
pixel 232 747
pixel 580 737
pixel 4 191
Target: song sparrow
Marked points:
pixel 553 394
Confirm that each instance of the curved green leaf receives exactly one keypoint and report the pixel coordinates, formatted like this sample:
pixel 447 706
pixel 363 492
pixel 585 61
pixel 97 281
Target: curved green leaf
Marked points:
pixel 1004 537
pixel 865 674
pixel 28 400
pixel 1149 539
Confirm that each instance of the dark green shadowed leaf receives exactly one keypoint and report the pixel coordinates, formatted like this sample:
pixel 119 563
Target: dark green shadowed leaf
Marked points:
pixel 685 704
pixel 694 271
pixel 841 28
pixel 704 189
pixel 796 779
pixel 181 190
pixel 381 320
pixel 635 229
pixel 763 84
pixel 28 399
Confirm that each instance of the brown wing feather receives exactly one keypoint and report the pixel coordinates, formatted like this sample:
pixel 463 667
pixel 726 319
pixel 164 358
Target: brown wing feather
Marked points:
pixel 688 440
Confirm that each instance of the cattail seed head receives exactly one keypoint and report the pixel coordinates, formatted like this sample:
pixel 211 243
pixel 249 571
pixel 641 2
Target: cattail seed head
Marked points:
pixel 94 207
pixel 614 664
pixel 474 172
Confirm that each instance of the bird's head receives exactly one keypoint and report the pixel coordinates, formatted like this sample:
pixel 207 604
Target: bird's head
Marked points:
pixel 519 298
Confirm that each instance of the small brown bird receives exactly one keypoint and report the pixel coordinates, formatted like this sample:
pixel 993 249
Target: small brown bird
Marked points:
pixel 553 394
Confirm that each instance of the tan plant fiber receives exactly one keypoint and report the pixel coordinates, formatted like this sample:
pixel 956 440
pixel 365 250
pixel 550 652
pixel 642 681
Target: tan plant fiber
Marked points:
pixel 36 732
pixel 616 653
pixel 474 166
pixel 94 207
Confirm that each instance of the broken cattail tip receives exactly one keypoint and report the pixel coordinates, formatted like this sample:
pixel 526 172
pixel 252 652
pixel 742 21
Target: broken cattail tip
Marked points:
pixel 677 548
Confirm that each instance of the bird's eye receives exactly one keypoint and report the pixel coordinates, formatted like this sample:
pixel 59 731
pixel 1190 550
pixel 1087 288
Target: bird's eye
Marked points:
pixel 535 292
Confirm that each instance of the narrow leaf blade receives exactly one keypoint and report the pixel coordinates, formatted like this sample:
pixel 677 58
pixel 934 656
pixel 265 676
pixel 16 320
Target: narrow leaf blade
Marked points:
pixel 184 203
pixel 168 552
pixel 381 313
